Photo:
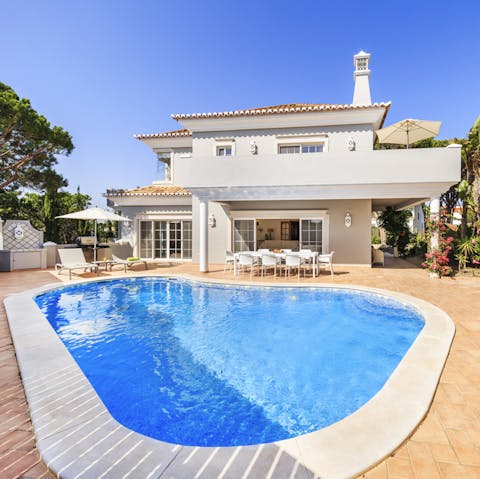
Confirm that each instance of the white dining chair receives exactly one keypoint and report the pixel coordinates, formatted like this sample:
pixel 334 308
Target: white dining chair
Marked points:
pixel 293 261
pixel 247 261
pixel 270 261
pixel 229 260
pixel 326 260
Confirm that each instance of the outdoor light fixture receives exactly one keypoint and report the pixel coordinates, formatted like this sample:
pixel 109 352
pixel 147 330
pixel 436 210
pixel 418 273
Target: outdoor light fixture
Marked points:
pixel 351 144
pixel 348 219
pixel 212 221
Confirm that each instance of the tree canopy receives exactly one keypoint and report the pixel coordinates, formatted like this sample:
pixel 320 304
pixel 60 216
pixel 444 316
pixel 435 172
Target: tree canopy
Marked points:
pixel 41 210
pixel 28 143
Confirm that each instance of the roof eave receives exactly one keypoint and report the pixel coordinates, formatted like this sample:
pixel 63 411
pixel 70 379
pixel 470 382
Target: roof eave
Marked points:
pixel 275 111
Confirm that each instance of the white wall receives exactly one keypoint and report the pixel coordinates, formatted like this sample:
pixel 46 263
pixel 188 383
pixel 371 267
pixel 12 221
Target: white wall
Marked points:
pixel 129 231
pixel 351 245
pixel 382 167
pixel 204 144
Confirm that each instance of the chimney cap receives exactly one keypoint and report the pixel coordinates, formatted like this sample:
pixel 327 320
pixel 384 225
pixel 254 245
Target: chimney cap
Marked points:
pixel 361 53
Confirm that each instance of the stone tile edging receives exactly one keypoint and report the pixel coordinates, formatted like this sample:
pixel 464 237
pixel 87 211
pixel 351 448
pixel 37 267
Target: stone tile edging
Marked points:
pixel 77 436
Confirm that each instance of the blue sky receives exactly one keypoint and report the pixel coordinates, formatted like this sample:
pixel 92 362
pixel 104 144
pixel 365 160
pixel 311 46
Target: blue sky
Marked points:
pixel 105 70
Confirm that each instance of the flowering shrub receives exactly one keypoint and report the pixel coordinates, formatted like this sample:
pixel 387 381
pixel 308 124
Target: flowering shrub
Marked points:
pixel 438 260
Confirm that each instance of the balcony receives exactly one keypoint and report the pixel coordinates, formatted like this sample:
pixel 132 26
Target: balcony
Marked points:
pixel 363 174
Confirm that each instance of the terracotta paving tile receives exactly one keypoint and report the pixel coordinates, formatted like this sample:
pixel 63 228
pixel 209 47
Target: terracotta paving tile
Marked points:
pixel 422 460
pixel 454 416
pixel 474 434
pixel 443 453
pixel 21 465
pixel 399 468
pixel 38 471
pixel 467 452
pixel 378 472
pixel 431 431
pixel 452 393
pixel 402 452
pixel 449 434
pixel 458 471
pixel 17 440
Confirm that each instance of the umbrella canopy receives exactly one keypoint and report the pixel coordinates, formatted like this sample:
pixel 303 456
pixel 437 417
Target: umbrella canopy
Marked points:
pixel 94 214
pixel 408 131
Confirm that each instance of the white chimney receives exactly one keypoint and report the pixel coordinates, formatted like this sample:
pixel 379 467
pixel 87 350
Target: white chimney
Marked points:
pixel 361 75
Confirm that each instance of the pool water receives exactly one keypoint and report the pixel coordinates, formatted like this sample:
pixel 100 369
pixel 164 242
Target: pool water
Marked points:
pixel 209 365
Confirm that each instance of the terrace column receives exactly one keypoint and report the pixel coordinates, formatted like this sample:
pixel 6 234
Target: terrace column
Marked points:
pixel 434 216
pixel 203 217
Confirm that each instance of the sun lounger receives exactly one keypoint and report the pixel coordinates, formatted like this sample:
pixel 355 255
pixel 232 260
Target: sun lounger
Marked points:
pixel 122 254
pixel 71 259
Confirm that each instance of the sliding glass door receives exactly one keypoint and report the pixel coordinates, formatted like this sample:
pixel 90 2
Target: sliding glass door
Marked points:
pixel 311 234
pixel 166 239
pixel 243 235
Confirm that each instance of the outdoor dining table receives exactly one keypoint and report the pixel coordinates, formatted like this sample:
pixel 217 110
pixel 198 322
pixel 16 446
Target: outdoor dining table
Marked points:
pixel 313 255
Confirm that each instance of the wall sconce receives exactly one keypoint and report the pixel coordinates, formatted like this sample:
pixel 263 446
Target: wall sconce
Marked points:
pixel 212 221
pixel 348 219
pixel 351 144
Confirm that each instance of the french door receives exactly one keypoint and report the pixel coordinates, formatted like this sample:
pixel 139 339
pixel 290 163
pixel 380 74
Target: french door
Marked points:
pixel 166 239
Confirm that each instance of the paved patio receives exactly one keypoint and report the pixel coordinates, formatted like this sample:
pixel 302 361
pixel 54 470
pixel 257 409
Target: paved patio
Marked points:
pixel 446 444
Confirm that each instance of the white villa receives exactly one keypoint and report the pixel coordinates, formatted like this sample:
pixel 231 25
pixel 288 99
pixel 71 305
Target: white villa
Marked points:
pixel 287 176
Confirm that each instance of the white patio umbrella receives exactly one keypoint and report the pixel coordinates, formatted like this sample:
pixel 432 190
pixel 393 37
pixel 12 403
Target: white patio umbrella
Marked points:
pixel 94 214
pixel 408 131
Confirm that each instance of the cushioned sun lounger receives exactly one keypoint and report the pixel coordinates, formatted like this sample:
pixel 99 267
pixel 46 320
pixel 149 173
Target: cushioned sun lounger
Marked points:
pixel 122 254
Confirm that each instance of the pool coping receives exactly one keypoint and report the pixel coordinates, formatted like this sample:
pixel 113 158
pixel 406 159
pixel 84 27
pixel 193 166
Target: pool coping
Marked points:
pixel 77 436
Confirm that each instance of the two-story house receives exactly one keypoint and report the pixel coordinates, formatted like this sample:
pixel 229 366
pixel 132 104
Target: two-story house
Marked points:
pixel 296 175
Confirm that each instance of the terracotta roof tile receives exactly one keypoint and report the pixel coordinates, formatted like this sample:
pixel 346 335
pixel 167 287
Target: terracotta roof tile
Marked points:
pixel 151 190
pixel 280 109
pixel 165 134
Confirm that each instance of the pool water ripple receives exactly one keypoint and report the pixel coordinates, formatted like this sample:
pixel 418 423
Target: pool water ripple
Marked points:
pixel 209 365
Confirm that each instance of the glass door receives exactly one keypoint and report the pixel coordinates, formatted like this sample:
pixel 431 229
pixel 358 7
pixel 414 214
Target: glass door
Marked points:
pixel 175 239
pixel 166 239
pixel 146 239
pixel 160 235
pixel 186 239
pixel 243 235
pixel 311 232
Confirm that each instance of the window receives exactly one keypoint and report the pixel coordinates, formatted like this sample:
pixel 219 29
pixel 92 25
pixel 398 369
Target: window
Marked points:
pixel 289 149
pixel 164 170
pixel 302 148
pixel 313 148
pixel 224 151
pixel 285 230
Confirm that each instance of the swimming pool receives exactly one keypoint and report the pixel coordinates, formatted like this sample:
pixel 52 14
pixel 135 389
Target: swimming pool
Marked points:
pixel 210 365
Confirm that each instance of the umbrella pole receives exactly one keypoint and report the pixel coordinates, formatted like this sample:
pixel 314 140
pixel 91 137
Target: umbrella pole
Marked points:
pixel 408 139
pixel 95 243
